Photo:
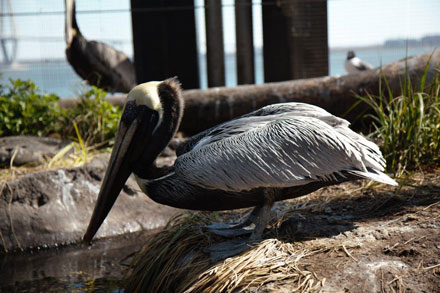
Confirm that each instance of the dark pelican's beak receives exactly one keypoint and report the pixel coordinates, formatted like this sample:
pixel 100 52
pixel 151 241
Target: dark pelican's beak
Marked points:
pixel 135 130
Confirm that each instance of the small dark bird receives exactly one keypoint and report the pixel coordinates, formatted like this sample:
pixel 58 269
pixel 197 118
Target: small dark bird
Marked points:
pixel 97 63
pixel 278 152
pixel 354 65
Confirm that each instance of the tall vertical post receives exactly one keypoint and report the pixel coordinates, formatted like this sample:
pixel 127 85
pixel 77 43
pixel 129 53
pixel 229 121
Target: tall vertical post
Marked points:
pixel 244 42
pixel 275 45
pixel 295 39
pixel 214 43
pixel 164 41
pixel 308 38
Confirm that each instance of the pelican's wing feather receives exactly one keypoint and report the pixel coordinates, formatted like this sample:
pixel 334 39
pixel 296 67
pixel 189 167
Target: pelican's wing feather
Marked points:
pixel 230 127
pixel 279 150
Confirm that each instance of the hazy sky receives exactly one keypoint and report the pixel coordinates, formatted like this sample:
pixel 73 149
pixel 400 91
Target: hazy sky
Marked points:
pixel 350 23
pixel 365 22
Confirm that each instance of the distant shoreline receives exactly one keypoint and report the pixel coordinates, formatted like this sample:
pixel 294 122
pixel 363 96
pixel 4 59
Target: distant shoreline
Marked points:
pixel 380 47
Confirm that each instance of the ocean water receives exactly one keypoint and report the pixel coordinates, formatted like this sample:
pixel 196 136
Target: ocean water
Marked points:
pixel 59 78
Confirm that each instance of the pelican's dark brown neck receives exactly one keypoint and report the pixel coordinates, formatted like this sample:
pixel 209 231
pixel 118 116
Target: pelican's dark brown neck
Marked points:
pixel 172 111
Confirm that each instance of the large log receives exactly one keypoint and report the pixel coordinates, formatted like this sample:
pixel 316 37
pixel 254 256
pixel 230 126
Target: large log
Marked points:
pixel 205 108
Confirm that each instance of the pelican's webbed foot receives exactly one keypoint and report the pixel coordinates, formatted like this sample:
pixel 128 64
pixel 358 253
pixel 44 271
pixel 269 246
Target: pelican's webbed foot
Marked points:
pixel 245 227
pixel 254 224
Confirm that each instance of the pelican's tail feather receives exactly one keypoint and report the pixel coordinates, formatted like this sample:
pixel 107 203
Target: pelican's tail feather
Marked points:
pixel 374 175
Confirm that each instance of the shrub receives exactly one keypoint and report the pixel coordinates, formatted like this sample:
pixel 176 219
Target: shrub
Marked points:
pixel 96 119
pixel 25 112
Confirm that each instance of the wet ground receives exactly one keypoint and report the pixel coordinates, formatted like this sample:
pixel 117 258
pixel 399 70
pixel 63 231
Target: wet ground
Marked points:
pixel 76 268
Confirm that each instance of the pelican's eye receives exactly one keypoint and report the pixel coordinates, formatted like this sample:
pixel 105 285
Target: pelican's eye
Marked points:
pixel 130 112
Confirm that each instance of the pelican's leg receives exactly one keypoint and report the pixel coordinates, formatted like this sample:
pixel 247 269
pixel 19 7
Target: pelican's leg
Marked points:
pixel 254 223
pixel 235 229
pixel 260 217
pixel 263 216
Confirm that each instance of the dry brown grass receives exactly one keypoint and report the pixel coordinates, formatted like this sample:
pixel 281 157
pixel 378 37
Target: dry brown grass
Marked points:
pixel 60 160
pixel 174 261
pixel 270 261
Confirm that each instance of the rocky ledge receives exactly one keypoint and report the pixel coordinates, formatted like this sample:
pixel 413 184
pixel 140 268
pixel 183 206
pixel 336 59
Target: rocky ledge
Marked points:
pixel 29 150
pixel 54 207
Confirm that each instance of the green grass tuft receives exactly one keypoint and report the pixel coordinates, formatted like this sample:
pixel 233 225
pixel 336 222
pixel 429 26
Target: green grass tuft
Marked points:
pixel 407 126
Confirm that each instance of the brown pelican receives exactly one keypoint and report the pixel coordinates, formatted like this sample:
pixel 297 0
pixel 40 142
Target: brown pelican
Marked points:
pixel 96 62
pixel 354 65
pixel 278 152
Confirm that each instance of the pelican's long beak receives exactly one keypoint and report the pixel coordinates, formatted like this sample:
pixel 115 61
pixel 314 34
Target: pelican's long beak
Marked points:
pixel 135 130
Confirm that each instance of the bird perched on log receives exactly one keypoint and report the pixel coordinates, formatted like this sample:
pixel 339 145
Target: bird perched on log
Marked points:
pixel 278 152
pixel 354 65
pixel 97 63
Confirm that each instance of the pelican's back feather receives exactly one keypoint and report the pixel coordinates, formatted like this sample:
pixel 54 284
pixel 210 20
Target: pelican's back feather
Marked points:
pixel 238 124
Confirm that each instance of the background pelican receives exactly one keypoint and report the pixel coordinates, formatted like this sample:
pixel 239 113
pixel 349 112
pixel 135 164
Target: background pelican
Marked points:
pixel 96 62
pixel 354 65
pixel 278 152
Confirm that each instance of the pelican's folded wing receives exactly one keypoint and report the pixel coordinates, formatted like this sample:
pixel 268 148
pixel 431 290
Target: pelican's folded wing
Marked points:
pixel 272 151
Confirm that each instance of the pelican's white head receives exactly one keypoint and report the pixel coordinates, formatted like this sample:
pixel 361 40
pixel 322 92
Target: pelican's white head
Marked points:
pixel 147 94
pixel 150 118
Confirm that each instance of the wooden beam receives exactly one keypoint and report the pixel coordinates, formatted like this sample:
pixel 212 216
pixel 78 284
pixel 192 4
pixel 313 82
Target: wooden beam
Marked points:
pixel 214 43
pixel 295 39
pixel 164 41
pixel 244 42
pixel 275 46
pixel 308 42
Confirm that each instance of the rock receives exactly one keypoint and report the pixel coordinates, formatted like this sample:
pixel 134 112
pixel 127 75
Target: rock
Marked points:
pixel 29 149
pixel 54 207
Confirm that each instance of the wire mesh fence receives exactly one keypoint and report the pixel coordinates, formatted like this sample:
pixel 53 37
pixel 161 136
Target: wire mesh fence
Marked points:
pixel 33 46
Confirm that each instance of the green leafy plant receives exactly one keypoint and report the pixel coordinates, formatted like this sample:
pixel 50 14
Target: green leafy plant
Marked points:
pixel 96 119
pixel 407 126
pixel 23 111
